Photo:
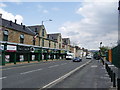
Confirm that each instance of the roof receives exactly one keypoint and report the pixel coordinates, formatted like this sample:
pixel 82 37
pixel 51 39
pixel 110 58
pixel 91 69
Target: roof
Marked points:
pixel 16 27
pixel 54 36
pixel 66 40
pixel 38 27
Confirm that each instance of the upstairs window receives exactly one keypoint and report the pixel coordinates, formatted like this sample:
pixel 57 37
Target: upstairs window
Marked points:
pixel 54 45
pixel 43 42
pixel 49 44
pixel 43 32
pixel 5 35
pixel 21 38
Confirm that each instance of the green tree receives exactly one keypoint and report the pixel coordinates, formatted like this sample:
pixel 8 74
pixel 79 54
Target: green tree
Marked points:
pixel 103 50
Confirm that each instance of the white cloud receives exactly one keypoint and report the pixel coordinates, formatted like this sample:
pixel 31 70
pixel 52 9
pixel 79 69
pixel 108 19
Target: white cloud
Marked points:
pixel 99 23
pixel 10 16
pixel 55 9
pixel 45 11
pixel 3 5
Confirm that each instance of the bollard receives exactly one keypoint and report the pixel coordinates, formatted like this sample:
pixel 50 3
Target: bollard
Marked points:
pixel 111 75
pixel 114 80
pixel 118 83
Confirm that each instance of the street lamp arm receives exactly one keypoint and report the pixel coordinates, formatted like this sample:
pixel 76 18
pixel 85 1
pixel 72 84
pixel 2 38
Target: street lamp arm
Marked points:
pixel 46 20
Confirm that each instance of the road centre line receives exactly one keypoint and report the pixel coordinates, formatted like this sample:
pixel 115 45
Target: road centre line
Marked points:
pixel 53 66
pixel 49 85
pixel 3 77
pixel 31 71
pixel 63 63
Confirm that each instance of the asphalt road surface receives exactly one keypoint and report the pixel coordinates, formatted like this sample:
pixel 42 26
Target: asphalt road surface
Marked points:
pixel 91 76
pixel 37 75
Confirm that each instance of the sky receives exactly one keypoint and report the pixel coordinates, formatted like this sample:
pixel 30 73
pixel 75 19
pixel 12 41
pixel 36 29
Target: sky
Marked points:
pixel 86 23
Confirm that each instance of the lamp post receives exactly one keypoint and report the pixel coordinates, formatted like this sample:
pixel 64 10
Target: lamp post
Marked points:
pixel 100 44
pixel 118 79
pixel 46 20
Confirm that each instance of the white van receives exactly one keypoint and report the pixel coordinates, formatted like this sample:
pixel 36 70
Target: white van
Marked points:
pixel 69 56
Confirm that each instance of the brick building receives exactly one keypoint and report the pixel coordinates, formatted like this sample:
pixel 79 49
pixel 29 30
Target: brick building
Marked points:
pixel 19 43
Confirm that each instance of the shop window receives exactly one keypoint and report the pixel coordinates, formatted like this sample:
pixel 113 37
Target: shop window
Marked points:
pixel 5 35
pixel 21 38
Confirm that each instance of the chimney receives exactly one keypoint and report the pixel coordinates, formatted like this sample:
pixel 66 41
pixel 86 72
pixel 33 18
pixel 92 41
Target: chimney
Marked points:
pixel 10 23
pixel 0 15
pixel 15 21
pixel 21 24
pixel 24 27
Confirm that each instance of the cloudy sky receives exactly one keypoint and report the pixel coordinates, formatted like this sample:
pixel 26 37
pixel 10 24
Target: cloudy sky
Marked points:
pixel 86 23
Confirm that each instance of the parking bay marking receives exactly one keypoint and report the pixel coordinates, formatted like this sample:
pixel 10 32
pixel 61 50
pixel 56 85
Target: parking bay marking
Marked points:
pixel 3 77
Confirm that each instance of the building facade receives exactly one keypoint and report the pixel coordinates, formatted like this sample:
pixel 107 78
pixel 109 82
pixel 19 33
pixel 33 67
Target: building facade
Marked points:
pixel 19 43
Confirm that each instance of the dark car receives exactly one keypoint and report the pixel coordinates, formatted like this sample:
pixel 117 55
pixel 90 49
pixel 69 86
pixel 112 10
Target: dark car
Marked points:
pixel 77 59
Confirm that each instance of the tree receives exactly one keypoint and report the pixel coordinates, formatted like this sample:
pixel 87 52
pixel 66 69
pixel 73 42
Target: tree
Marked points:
pixel 103 50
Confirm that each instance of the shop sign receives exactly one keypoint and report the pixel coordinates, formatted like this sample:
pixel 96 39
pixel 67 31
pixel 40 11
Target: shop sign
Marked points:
pixel 11 48
pixel 23 48
pixel 1 47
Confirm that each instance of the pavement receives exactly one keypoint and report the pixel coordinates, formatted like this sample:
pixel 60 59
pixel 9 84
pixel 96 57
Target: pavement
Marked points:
pixel 35 76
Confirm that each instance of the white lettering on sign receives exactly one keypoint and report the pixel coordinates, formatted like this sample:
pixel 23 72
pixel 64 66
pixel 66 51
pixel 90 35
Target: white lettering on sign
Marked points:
pixel 1 47
pixel 10 47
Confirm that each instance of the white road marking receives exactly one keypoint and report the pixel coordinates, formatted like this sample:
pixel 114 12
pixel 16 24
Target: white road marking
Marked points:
pixel 64 76
pixel 3 77
pixel 53 66
pixel 111 65
pixel 31 71
pixel 63 63
pixel 94 66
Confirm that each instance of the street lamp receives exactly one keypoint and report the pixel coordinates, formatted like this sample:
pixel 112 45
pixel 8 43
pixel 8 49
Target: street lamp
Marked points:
pixel 100 44
pixel 46 20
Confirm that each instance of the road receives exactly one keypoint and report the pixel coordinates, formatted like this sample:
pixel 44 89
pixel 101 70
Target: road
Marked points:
pixel 37 75
pixel 91 76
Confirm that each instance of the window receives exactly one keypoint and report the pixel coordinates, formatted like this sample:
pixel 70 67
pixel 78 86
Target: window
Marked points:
pixel 54 45
pixel 59 46
pixel 33 41
pixel 5 35
pixel 49 44
pixel 43 42
pixel 21 38
pixel 43 32
pixel 60 38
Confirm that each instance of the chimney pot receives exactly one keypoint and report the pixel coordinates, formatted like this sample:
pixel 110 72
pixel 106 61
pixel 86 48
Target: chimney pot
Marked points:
pixel 10 23
pixel 0 15
pixel 21 23
pixel 15 21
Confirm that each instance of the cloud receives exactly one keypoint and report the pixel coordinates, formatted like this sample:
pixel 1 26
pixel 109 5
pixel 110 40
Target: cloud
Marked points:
pixel 55 9
pixel 45 11
pixel 99 23
pixel 10 16
pixel 3 5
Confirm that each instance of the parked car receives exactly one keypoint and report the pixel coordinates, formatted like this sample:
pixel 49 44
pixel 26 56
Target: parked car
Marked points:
pixel 77 59
pixel 88 57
